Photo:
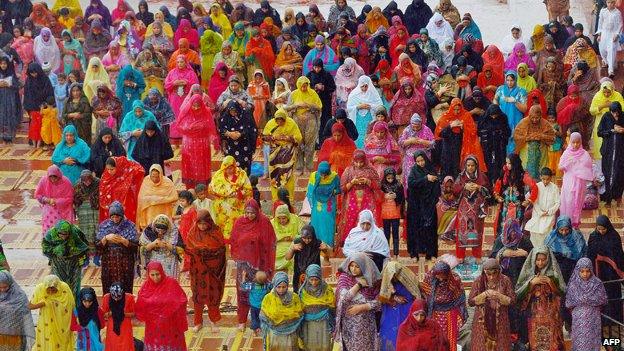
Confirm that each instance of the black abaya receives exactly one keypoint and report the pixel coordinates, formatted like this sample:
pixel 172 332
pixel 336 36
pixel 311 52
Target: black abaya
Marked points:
pixel 612 151
pixel 493 131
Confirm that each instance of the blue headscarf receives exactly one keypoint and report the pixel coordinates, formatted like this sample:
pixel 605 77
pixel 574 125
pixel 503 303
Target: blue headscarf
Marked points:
pixel 79 151
pixel 329 189
pixel 572 246
pixel 131 122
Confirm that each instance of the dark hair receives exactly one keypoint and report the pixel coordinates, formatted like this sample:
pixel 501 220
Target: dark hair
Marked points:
pixel 546 171
pixel 200 187
pixel 50 101
pixel 111 162
pixel 186 195
pixel 253 180
pixel 516 175
pixel 284 196
pixel 61 75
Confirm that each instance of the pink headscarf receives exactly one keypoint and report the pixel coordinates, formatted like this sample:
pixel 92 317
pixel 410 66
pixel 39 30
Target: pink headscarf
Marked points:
pixel 372 141
pixel 62 192
pixel 514 60
pixel 579 157
pixel 190 34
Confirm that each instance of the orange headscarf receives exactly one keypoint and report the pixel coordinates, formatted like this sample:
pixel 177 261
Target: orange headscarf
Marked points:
pixel 470 142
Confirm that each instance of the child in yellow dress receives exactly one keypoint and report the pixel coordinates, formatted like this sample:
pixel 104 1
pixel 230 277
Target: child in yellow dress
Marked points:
pixel 50 129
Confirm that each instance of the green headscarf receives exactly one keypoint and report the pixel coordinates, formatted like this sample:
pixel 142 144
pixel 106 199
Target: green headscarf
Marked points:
pixel 55 246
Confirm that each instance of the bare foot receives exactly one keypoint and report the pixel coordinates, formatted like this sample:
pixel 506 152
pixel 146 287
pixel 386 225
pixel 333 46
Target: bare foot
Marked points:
pixel 197 328
pixel 257 332
pixel 241 326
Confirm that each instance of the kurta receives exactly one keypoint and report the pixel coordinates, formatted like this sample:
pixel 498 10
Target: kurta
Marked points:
pixel 356 332
pixel 392 315
pixel 577 171
pixel 514 115
pixel 53 333
pixel 62 192
pixel 409 148
pixel 169 259
pixel 210 45
pixel 285 234
pixel 128 94
pixel 599 106
pixel 280 321
pixel 123 340
pixel 243 148
pixel 544 211
pixel 322 195
pixel 131 122
pixel 122 186
pixel 83 122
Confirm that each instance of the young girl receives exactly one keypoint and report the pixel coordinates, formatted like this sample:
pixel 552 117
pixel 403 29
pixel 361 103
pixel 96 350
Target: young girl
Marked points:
pixel 576 164
pixel 392 207
pixel 586 295
pixel 50 128
pixel 185 215
pixel 554 151
pixel 87 321
pixel 447 209
pixel 118 308
pixel 260 93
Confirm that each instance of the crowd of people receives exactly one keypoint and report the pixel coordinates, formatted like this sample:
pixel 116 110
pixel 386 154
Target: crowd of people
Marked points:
pixel 408 127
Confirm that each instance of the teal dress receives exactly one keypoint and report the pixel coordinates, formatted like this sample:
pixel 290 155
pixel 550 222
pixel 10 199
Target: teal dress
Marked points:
pixel 322 198
pixel 79 151
pixel 132 122
pixel 88 337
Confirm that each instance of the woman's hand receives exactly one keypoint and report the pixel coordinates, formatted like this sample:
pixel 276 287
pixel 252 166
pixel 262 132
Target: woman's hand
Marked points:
pixel 356 309
pixel 432 178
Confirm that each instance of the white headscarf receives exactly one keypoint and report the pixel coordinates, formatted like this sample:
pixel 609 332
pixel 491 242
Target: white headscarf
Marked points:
pixel 507 44
pixel 439 34
pixel 47 51
pixel 372 240
pixel 357 97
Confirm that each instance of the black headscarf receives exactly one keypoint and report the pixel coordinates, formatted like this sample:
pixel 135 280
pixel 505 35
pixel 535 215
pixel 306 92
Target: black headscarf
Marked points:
pixel 117 305
pixel 365 10
pixel 394 187
pixel 146 17
pixel 418 57
pixel 300 31
pixel 100 151
pixel 608 244
pixel 152 150
pixel 36 89
pixel 309 253
pixel 391 10
pixel 417 15
pixel 85 315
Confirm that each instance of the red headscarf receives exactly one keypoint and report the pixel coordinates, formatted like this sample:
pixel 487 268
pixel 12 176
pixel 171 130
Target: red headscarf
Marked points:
pixel 395 41
pixel 337 153
pixel 186 30
pixel 211 239
pixel 253 241
pixel 494 57
pixel 470 143
pixel 218 85
pixel 163 303
pixel 196 123
pixel 496 80
pixel 533 94
pixel 122 186
pixel 565 115
pixel 262 52
pixel 420 337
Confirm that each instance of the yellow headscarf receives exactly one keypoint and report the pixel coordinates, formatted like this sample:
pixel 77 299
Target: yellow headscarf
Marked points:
pixel 73 6
pixel 166 27
pixel 599 106
pixel 528 83
pixel 289 128
pixel 220 19
pixel 309 97
pixel 538 37
pixel 55 315
pixel 222 187
pixel 93 79
pixel 155 198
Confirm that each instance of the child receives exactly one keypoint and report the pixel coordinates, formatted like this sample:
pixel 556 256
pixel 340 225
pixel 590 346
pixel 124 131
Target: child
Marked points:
pixel 258 289
pixel 585 296
pixel 554 151
pixel 392 207
pixel 544 209
pixel 186 215
pixel 60 93
pixel 446 209
pixel 65 19
pixel 87 321
pixel 594 188
pixel 51 133
pixel 254 188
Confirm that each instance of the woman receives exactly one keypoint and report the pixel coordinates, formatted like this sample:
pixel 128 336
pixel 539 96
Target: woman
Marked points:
pixel 178 84
pixel 130 85
pixel 219 81
pixel 375 19
pixel 117 244
pixel 361 102
pixel 97 11
pixel 106 108
pixel 525 81
pixel 324 53
pixel 600 105
pixel 196 125
pixel 260 92
pixel 512 100
pixel 518 56
pixel 382 150
pixel 153 65
pixel 567 246
pixel 211 43
pixel 152 147
pixel 161 305
pixel 576 164
pixel 473 189
pixel 47 50
pixel 356 303
pixel 87 205
pixel 253 249
pixel 407 69
pixel 55 301
pixel 159 38
pixel 337 150
pixel 238 132
pixel 286 226
pixel 458 134
pixel 494 132
pixel 77 111
pixel 219 18
pixel 284 136
pixel 281 315
pixel 610 130
pixel 322 194
pixel 128 39
pixel 281 93
pixel 360 185
pixel 323 83
pixel 186 31
pixel 585 296
pixel 399 288
pixel 206 248
pixel 113 62
pixel 72 54
pixel 407 102
pixel 106 145
pixel 37 89
pixel 346 80
pixel 120 181
pixel 492 293
pixel 72 154
pixel 161 242
pixel 422 196
pixel 420 332
pixel 133 124
pixel 319 306
pixel 66 247
pixel 55 193
pixel 415 137
pixel 288 64
pixel 17 331
pixel 446 302
pixel 11 107
pixel 232 60
pixel 230 188
pixel 158 105
pixel 87 319
pixel 157 196
pixel 118 309
pixel 604 249
pixel 367 238
pixel 259 55
pixel 539 290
